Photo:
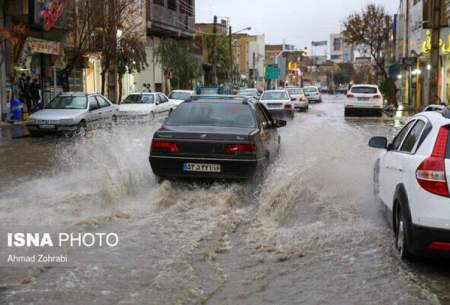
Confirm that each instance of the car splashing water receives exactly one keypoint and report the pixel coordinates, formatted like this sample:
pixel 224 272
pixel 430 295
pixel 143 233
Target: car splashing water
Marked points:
pixel 310 233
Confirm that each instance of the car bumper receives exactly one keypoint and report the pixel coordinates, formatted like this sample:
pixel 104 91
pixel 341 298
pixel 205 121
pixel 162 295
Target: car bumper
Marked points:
pixel 314 98
pixel 172 167
pixel 364 110
pixel 55 129
pixel 422 237
pixel 281 113
pixel 301 105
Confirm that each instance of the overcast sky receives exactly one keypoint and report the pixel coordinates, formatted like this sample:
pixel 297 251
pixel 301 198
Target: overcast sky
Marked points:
pixel 296 22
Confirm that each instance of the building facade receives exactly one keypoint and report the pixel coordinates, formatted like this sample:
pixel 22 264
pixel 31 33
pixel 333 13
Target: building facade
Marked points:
pixel 249 58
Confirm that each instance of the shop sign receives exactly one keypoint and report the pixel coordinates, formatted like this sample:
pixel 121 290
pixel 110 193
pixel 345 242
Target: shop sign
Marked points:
pixel 35 45
pixel 426 46
pixel 48 13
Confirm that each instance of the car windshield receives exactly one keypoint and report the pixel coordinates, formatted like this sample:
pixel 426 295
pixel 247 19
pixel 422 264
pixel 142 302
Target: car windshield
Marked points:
pixel 310 89
pixel 364 90
pixel 295 91
pixel 275 95
pixel 180 96
pixel 212 114
pixel 68 102
pixel 248 93
pixel 139 99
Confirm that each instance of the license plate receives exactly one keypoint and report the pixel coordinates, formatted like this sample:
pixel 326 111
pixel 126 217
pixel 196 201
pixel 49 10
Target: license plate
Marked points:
pixel 363 98
pixel 47 126
pixel 202 168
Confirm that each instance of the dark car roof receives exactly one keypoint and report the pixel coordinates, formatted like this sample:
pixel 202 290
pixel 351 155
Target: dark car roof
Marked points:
pixel 219 98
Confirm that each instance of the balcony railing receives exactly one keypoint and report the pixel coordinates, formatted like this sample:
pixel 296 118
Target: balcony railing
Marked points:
pixel 163 19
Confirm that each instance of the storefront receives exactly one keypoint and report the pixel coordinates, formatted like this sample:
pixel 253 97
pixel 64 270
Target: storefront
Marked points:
pixel 41 60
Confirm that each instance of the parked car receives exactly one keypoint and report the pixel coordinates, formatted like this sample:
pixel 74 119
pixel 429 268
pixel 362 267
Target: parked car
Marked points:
pixel 250 93
pixel 435 108
pixel 313 94
pixel 300 102
pixel 179 96
pixel 324 89
pixel 217 139
pixel 279 103
pixel 364 100
pixel 72 112
pixel 412 182
pixel 145 105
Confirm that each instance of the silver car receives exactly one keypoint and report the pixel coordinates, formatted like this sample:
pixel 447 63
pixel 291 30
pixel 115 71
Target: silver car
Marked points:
pixel 301 103
pixel 71 113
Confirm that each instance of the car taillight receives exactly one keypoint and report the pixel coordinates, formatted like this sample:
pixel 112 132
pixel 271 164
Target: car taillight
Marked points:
pixel 165 146
pixel 377 97
pixel 239 149
pixel 302 98
pixel 350 95
pixel 431 173
pixel 439 246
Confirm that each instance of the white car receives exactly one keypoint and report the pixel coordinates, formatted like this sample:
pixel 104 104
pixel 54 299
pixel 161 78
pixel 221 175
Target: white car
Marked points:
pixel 313 94
pixel 301 103
pixel 412 182
pixel 366 99
pixel 145 105
pixel 179 96
pixel 278 103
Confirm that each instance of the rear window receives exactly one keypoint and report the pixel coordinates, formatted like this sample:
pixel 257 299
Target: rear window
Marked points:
pixel 365 90
pixel 310 89
pixel 276 95
pixel 213 114
pixel 295 91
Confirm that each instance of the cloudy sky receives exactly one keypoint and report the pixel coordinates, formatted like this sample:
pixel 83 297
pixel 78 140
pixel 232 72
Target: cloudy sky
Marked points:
pixel 296 22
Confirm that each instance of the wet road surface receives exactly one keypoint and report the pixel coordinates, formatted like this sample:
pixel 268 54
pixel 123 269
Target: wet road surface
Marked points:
pixel 311 233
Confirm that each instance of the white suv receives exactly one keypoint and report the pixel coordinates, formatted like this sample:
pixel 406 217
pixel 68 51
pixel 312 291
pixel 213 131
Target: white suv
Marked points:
pixel 412 182
pixel 365 99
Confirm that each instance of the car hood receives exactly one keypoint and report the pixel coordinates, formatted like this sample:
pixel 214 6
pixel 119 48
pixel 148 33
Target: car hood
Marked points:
pixel 57 114
pixel 176 101
pixel 204 133
pixel 274 101
pixel 139 108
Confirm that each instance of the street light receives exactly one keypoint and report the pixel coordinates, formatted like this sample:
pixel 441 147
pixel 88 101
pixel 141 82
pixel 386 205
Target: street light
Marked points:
pixel 243 30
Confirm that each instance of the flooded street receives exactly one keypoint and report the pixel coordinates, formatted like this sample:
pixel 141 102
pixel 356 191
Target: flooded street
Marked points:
pixel 310 233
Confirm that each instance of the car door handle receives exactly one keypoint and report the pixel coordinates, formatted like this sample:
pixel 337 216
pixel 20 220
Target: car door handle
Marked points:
pixel 398 169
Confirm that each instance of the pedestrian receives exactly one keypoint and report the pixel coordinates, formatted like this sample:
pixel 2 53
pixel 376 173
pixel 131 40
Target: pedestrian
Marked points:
pixel 28 100
pixel 35 94
pixel 21 86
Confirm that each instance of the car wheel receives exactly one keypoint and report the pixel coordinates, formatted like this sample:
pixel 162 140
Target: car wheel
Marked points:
pixel 81 129
pixel 401 232
pixel 34 133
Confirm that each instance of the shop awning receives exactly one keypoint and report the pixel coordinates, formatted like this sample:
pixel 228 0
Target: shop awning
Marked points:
pixel 39 46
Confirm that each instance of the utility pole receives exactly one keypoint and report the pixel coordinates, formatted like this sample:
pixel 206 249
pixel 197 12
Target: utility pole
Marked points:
pixel 435 55
pixel 254 69
pixel 112 73
pixel 230 38
pixel 214 53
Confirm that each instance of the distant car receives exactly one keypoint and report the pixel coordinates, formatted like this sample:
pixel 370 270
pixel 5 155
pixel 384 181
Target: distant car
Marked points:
pixel 364 99
pixel 251 93
pixel 144 105
pixel 279 103
pixel 72 112
pixel 301 103
pixel 179 96
pixel 439 108
pixel 208 91
pixel 313 94
pixel 411 180
pixel 215 139
pixel 324 89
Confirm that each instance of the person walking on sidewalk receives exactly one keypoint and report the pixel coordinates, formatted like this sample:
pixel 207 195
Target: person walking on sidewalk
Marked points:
pixel 35 95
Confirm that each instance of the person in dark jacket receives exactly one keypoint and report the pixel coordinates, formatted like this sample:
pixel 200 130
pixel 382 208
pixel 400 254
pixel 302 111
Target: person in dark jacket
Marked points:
pixel 35 94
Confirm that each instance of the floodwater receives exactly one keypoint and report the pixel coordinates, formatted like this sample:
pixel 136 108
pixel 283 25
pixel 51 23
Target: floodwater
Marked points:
pixel 310 233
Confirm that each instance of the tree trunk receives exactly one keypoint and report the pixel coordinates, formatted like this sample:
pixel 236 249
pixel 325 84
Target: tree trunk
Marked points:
pixel 103 76
pixel 120 88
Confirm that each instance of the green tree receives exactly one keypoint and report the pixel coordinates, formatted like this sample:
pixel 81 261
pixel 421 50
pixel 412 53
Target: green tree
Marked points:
pixel 179 65
pixel 223 56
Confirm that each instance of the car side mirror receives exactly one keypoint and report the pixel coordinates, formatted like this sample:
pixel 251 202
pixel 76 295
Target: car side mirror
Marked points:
pixel 379 142
pixel 280 123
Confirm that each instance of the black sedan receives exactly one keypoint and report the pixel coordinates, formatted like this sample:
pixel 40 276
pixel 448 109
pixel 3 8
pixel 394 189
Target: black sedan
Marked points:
pixel 215 138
